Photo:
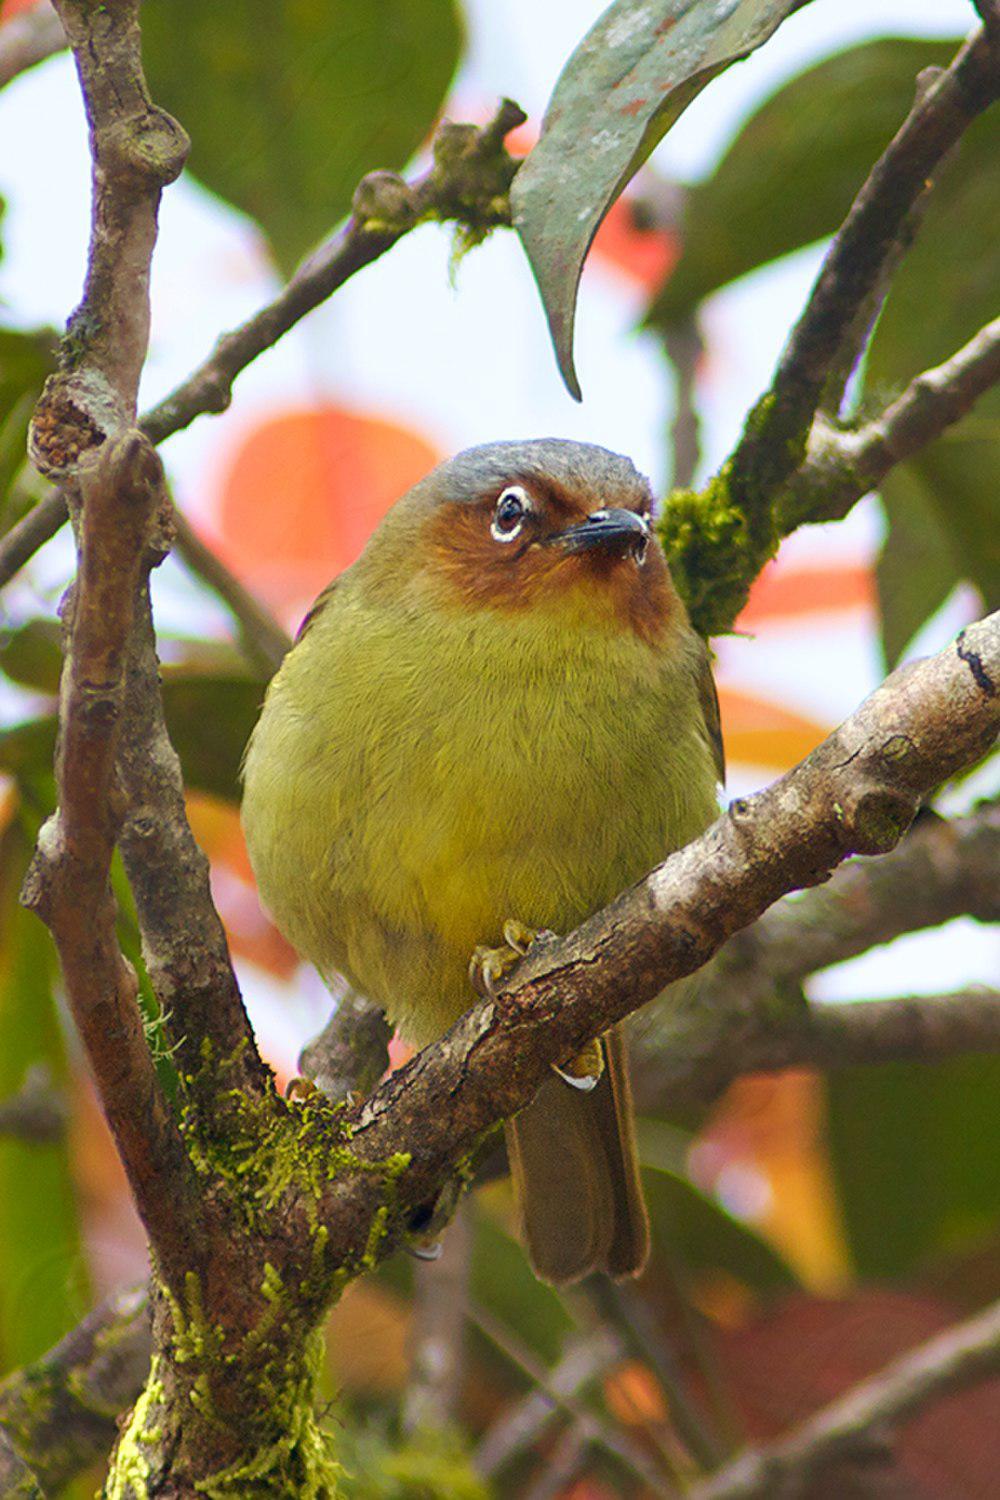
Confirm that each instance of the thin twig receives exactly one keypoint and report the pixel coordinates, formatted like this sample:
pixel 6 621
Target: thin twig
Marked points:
pixel 628 1313
pixel 594 1428
pixel 468 184
pixel 684 347
pixel 36 1112
pixel 437 1336
pixel 262 638
pixel 841 466
pixel 863 1419
pixel 29 38
pixel 19 545
pixel 735 518
pixel 522 1424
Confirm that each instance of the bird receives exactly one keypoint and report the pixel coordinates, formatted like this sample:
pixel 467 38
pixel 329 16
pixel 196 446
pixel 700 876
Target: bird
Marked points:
pixel 493 722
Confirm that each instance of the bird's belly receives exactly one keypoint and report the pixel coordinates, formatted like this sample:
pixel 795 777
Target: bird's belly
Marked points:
pixel 453 805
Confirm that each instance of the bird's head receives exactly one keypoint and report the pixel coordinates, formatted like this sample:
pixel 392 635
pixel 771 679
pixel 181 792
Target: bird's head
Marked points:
pixel 548 524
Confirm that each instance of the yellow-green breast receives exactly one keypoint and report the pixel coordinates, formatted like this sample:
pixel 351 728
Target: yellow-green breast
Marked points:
pixel 421 772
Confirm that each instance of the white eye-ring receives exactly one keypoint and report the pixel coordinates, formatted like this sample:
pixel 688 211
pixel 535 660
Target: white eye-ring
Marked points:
pixel 512 509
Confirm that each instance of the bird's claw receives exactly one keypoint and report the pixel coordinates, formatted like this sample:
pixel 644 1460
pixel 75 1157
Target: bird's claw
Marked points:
pixel 584 1071
pixel 425 1252
pixel 488 966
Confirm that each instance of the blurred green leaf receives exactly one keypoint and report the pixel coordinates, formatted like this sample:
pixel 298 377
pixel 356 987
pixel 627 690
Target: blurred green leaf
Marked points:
pixel 944 292
pixel 25 360
pixel 634 73
pixel 696 1233
pixel 209 718
pixel 43 1289
pixel 210 699
pixel 917 566
pixel 31 655
pixel 792 171
pixel 289 102
pixel 915 1160
pixel 503 1281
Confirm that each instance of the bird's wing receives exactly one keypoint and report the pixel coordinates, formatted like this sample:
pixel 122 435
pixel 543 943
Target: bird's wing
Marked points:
pixel 709 698
pixel 318 605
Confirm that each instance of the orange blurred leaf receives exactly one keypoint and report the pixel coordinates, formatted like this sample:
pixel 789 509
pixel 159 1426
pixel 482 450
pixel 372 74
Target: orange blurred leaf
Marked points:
pixel 303 493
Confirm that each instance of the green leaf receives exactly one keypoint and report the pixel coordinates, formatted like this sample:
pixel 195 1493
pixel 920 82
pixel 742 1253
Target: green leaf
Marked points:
pixel 25 360
pixel 42 1273
pixel 917 566
pixel 503 1281
pixel 944 292
pixel 633 74
pixel 289 102
pixel 791 173
pixel 209 719
pixel 210 700
pixel 693 1231
pixel 914 1154
pixel 31 655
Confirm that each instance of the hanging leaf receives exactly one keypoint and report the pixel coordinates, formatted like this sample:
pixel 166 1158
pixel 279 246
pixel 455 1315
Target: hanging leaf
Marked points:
pixel 791 173
pixel 290 102
pixel 944 292
pixel 633 74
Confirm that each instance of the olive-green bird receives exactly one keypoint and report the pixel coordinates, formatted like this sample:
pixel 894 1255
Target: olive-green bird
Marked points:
pixel 498 718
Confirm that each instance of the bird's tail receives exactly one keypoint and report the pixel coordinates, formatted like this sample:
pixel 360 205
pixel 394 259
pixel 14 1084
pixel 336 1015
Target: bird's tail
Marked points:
pixel 576 1175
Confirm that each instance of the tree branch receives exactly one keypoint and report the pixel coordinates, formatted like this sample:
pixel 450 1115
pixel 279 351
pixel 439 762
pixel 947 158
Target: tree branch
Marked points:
pixel 36 1112
pixel 60 1412
pixel 351 1053
pixel 467 184
pixel 842 466
pixel 29 38
pixel 855 794
pixel 263 640
pixel 68 884
pixel 717 541
pixel 862 1420
pixel 19 545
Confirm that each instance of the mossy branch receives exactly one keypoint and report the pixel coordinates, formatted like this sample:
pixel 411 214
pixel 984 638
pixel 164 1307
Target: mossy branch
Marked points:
pixel 718 539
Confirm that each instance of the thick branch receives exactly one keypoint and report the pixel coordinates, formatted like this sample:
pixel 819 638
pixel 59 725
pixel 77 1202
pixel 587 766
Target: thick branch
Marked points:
pixel 943 869
pixel 60 1412
pixel 855 794
pixel 861 1421
pixel 68 882
pixel 842 466
pixel 719 540
pixel 29 38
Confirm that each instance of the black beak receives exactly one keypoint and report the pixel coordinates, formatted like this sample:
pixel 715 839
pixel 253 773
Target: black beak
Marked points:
pixel 617 533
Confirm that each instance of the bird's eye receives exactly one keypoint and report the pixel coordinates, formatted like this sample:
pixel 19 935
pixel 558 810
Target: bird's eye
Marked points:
pixel 511 510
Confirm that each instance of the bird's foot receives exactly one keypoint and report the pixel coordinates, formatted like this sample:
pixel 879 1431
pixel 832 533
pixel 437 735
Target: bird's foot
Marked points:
pixel 584 1071
pixel 488 966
